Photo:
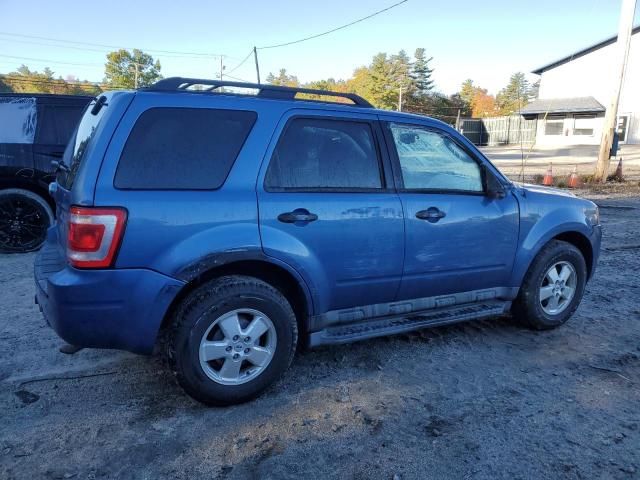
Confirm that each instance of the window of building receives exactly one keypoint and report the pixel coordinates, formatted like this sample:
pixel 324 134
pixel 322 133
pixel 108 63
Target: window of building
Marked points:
pixel 554 125
pixel 583 124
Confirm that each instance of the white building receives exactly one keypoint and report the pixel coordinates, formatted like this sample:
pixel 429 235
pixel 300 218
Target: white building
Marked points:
pixel 575 90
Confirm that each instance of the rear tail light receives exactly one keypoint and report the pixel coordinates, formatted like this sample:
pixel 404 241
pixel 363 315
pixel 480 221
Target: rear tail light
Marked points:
pixel 94 236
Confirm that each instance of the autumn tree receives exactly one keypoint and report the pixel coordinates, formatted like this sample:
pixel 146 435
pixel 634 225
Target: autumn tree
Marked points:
pixel 476 100
pixel 131 69
pixel 483 104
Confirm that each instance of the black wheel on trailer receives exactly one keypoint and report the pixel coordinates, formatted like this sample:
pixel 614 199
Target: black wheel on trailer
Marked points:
pixel 24 219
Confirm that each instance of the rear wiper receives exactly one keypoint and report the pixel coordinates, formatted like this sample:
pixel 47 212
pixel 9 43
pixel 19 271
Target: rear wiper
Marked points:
pixel 59 166
pixel 101 101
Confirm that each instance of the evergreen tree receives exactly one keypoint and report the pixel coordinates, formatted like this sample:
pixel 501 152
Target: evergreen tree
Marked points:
pixel 534 91
pixel 283 79
pixel 514 96
pixel 421 72
pixel 467 91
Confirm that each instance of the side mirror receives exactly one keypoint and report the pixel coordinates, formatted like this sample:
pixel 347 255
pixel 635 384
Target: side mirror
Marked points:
pixel 493 187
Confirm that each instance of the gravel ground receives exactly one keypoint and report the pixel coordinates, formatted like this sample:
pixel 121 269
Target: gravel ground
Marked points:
pixel 481 400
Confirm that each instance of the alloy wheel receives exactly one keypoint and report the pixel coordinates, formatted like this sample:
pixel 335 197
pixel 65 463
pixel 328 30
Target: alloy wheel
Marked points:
pixel 238 346
pixel 558 288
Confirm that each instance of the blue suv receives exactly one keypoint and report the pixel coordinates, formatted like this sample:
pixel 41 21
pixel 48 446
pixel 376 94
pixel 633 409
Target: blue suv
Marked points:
pixel 243 226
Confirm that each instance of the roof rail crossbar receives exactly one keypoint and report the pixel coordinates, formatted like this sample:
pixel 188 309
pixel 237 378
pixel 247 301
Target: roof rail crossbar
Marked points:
pixel 264 90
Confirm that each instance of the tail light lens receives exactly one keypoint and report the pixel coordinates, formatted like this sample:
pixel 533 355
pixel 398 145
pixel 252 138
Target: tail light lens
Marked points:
pixel 94 236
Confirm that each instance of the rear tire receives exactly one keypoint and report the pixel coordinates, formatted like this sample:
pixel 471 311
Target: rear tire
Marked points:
pixel 24 219
pixel 546 299
pixel 232 338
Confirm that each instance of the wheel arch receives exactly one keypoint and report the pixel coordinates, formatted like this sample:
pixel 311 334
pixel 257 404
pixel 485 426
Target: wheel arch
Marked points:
pixel 582 243
pixel 573 236
pixel 288 282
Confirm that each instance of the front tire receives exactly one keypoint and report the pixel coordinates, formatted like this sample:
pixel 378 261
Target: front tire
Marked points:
pixel 232 338
pixel 24 219
pixel 552 288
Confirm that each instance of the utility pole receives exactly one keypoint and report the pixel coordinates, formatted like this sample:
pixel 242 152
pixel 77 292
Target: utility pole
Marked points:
pixel 627 12
pixel 221 66
pixel 255 57
pixel 458 121
pixel 400 99
pixel 136 74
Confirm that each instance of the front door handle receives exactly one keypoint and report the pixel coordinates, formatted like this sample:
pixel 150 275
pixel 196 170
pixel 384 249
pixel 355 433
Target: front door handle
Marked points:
pixel 299 215
pixel 431 214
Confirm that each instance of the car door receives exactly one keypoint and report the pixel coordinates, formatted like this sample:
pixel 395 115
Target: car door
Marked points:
pixel 328 209
pixel 458 238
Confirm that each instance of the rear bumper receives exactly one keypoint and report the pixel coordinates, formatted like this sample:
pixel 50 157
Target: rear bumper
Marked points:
pixel 121 309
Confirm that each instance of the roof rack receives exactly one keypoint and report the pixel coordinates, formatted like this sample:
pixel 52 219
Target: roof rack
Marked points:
pixel 264 90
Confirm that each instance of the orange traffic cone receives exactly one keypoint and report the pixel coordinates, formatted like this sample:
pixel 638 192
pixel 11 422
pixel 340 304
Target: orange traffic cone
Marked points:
pixel 573 178
pixel 548 177
pixel 618 174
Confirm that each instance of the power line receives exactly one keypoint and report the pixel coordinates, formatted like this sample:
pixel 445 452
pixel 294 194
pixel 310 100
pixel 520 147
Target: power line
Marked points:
pixel 335 29
pixel 236 78
pixel 241 63
pixel 106 46
pixel 52 61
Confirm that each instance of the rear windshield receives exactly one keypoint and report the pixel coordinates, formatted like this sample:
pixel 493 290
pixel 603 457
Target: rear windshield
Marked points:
pixel 182 148
pixel 75 153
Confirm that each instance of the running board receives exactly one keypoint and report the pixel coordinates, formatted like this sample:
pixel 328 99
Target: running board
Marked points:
pixel 378 327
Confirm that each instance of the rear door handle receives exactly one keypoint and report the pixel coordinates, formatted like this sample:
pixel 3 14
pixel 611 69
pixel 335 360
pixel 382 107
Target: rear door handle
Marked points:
pixel 299 215
pixel 431 214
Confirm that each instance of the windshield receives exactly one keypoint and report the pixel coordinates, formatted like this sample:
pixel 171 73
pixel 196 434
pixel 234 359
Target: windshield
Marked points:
pixel 78 145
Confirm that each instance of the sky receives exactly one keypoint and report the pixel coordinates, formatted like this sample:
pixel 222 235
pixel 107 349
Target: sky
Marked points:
pixel 485 40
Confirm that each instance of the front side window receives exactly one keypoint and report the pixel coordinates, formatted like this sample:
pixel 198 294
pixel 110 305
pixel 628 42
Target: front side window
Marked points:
pixel 431 160
pixel 182 148
pixel 325 154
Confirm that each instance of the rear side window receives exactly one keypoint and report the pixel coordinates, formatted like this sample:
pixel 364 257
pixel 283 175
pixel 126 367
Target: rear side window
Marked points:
pixel 182 148
pixel 324 154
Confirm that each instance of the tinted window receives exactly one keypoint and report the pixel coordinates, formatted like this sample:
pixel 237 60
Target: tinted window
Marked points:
pixel 325 154
pixel 182 148
pixel 432 161
pixel 56 124
pixel 67 119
